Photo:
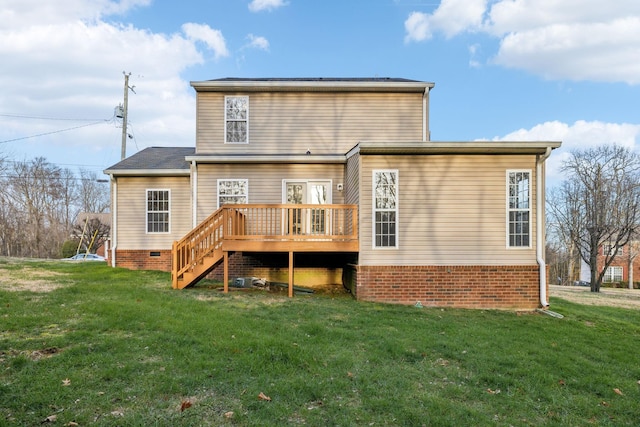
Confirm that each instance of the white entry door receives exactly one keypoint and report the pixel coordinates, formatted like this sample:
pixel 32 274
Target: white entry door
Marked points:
pixel 309 220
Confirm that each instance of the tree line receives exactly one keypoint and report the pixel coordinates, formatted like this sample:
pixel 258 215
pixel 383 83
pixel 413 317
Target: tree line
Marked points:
pixel 39 207
pixel 594 215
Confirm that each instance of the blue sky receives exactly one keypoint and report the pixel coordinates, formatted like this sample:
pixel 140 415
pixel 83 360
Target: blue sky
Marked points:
pixel 504 69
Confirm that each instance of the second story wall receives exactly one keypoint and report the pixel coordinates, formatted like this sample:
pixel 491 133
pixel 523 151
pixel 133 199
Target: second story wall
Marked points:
pixel 322 122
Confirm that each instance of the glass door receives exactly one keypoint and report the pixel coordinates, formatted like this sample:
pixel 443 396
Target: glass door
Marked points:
pixel 296 194
pixel 307 220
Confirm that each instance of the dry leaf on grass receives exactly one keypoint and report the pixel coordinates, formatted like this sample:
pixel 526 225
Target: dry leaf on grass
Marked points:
pixel 618 391
pixel 66 382
pixel 263 396
pixel 50 419
pixel 185 405
pixel 228 414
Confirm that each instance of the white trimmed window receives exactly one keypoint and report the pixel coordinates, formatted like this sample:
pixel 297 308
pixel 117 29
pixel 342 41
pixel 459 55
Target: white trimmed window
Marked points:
pixel 236 117
pixel 233 191
pixel 158 208
pixel 613 275
pixel 519 209
pixel 609 249
pixel 385 208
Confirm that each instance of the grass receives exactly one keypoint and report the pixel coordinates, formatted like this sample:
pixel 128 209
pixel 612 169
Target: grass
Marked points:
pixel 86 344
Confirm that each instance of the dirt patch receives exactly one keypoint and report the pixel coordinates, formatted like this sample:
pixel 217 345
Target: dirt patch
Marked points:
pixel 624 298
pixel 29 279
pixel 34 355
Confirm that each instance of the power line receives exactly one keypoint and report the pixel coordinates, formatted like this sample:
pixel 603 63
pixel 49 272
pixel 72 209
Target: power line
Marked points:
pixel 54 132
pixel 68 119
pixel 58 178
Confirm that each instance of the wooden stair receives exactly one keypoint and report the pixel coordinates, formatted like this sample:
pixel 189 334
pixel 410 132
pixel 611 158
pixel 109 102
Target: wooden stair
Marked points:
pixel 198 272
pixel 199 252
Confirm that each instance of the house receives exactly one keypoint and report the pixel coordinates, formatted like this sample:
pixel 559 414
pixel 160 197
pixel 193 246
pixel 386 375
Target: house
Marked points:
pixel 328 180
pixel 623 267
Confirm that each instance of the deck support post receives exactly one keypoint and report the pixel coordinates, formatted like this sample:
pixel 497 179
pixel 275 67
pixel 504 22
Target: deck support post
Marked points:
pixel 290 274
pixel 226 272
pixel 174 265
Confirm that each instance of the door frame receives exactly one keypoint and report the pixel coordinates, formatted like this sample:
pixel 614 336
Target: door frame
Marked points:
pixel 306 226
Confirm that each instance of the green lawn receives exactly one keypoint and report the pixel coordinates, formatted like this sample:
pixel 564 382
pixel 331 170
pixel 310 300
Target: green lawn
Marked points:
pixel 85 344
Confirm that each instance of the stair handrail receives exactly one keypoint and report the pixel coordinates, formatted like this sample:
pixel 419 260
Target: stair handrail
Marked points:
pixel 197 244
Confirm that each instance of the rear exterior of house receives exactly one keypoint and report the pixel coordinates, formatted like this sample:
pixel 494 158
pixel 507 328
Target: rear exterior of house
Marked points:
pixel 324 181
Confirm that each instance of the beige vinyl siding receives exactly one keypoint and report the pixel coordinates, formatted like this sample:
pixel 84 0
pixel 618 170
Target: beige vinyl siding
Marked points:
pixel 265 181
pixel 325 123
pixel 132 225
pixel 352 180
pixel 452 210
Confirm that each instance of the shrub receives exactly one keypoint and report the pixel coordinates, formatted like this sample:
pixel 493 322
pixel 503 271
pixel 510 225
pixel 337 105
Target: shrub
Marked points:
pixel 69 248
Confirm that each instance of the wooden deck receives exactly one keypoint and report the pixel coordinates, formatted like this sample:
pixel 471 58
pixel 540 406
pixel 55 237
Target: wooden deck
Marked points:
pixel 262 228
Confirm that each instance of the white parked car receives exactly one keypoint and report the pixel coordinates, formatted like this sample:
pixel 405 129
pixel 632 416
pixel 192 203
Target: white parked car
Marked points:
pixel 85 257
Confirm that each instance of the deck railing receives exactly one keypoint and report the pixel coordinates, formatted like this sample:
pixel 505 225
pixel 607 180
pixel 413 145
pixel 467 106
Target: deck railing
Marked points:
pixel 279 223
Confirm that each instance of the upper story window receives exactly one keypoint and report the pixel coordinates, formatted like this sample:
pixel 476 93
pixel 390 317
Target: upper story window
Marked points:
pixel 236 117
pixel 233 191
pixel 385 208
pixel 608 249
pixel 519 209
pixel 158 211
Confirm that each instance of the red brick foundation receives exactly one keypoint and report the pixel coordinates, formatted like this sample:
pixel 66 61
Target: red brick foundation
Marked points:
pixel 144 259
pixel 490 287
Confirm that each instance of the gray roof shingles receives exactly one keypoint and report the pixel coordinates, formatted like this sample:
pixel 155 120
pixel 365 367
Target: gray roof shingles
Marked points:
pixel 156 158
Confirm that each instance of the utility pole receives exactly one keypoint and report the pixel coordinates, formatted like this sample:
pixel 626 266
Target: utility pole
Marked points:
pixel 125 115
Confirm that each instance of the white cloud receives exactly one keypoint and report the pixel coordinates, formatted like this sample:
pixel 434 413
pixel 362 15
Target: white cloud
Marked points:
pixel 212 38
pixel 258 42
pixel 579 135
pixel 451 18
pixel 417 27
pixel 65 59
pixel 22 13
pixel 568 39
pixel 260 5
pixel 606 51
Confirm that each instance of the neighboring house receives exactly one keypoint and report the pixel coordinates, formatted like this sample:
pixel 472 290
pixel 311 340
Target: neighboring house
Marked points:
pixel 324 181
pixel 623 263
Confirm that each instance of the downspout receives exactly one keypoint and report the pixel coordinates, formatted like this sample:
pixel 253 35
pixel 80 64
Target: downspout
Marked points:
pixel 194 194
pixel 114 221
pixel 540 227
pixel 425 114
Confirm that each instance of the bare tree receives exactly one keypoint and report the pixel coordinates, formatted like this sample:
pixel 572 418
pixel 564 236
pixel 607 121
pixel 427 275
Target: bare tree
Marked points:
pixel 92 231
pixel 598 204
pixel 93 193
pixel 37 208
pixel 633 250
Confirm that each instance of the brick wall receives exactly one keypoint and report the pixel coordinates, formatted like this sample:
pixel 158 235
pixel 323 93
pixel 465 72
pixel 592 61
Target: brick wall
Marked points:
pixel 144 259
pixel 501 287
